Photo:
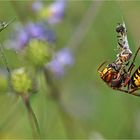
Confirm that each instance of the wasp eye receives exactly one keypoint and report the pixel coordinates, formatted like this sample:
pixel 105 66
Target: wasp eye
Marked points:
pixel 120 28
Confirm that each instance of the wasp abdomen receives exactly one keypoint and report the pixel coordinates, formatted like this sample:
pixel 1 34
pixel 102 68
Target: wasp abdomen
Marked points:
pixel 136 78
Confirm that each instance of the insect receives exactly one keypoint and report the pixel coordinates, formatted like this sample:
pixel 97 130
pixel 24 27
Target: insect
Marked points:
pixel 117 74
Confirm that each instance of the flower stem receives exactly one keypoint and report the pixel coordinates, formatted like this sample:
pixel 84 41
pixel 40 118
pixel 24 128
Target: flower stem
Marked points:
pixel 32 117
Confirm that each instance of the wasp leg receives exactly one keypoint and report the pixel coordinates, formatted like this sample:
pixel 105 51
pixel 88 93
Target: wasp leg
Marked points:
pixel 135 93
pixel 129 92
pixel 132 64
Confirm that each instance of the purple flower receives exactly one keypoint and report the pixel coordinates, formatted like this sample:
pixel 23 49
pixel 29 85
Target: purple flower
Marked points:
pixel 18 38
pixel 64 57
pixel 53 14
pixel 40 31
pixel 62 60
pixel 56 68
pixel 37 5
pixel 21 35
pixel 56 11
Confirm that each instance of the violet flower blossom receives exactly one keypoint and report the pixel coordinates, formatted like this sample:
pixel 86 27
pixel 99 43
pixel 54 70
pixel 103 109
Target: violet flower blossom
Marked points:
pixel 62 60
pixel 40 31
pixel 53 14
pixel 56 11
pixel 21 35
pixel 18 38
pixel 37 5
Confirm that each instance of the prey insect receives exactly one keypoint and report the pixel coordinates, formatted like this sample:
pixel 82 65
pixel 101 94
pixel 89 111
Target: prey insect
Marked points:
pixel 117 74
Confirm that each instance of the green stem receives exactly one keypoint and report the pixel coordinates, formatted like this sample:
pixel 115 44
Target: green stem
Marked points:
pixel 32 117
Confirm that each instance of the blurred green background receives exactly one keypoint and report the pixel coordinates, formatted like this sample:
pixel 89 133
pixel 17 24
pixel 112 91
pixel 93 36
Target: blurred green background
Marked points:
pixel 89 108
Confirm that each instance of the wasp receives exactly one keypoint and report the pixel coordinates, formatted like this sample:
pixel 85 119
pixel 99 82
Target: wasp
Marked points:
pixel 118 81
pixel 117 74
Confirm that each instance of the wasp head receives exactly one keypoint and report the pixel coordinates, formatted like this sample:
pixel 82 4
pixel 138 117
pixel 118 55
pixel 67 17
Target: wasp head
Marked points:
pixel 105 73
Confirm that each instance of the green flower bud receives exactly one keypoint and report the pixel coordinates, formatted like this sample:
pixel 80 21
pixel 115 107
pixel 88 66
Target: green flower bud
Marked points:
pixel 38 52
pixel 21 81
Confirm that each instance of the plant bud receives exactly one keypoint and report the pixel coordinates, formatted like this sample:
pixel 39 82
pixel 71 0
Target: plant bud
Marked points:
pixel 21 81
pixel 38 52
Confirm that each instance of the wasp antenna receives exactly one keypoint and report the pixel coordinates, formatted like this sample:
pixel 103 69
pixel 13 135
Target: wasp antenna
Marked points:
pixel 136 54
pixel 124 25
pixel 101 66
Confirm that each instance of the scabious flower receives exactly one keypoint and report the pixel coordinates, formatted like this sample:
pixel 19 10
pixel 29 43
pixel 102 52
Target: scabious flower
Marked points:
pixel 60 62
pixel 21 35
pixel 53 14
pixel 40 31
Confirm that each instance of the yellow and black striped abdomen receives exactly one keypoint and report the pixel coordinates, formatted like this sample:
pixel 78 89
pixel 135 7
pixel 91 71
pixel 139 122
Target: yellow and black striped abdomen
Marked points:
pixel 135 79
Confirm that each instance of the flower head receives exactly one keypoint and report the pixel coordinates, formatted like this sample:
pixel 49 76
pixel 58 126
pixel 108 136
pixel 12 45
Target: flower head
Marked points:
pixel 37 5
pixel 18 38
pixel 40 31
pixel 62 59
pixel 56 11
pixel 53 14
pixel 21 35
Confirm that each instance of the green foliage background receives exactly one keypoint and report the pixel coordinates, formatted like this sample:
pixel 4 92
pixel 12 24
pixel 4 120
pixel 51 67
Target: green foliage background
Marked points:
pixel 90 108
